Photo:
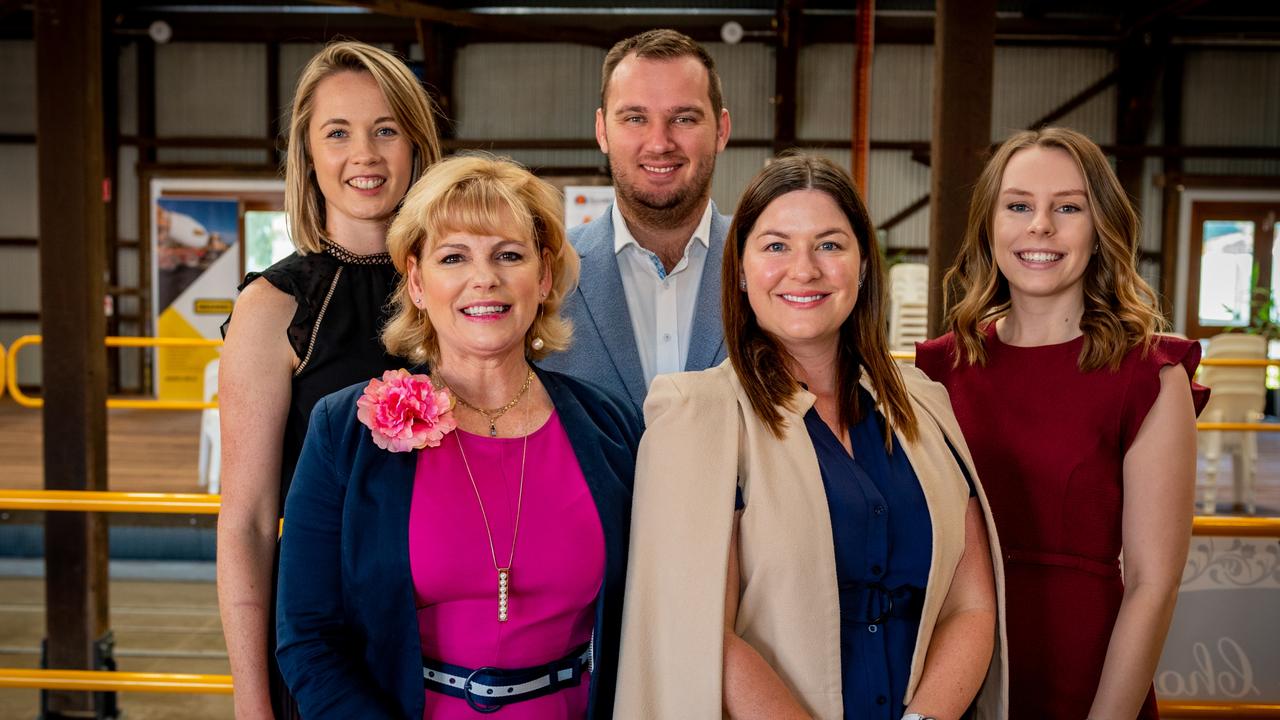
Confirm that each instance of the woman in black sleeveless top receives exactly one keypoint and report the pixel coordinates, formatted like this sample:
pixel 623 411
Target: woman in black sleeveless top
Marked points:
pixel 361 133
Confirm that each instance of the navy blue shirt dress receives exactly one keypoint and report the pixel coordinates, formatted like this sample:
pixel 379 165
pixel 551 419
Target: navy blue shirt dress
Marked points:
pixel 883 544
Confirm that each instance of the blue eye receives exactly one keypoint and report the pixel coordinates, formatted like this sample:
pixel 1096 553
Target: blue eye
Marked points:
pixel 510 256
pixel 684 120
pixel 1069 209
pixel 452 259
pixel 829 245
pixel 336 133
pixel 633 119
pixel 1019 207
pixel 386 132
pixel 775 247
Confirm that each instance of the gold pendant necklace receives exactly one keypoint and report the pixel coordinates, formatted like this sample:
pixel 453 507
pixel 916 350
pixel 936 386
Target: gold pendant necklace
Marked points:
pixel 493 415
pixel 504 573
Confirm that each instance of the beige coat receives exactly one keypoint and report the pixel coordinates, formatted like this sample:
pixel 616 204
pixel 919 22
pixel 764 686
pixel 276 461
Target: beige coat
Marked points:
pixel 701 439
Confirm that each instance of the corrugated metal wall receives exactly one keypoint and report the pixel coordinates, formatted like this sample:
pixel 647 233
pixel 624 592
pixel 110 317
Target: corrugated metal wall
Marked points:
pixel 1231 97
pixel 536 91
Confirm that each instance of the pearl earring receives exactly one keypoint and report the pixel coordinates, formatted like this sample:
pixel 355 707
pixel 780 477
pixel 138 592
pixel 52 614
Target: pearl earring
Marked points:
pixel 537 343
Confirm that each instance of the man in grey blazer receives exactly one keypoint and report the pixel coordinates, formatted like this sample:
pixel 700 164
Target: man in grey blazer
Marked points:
pixel 648 301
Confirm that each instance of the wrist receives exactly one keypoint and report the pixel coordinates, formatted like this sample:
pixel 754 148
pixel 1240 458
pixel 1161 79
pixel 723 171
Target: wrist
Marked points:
pixel 917 716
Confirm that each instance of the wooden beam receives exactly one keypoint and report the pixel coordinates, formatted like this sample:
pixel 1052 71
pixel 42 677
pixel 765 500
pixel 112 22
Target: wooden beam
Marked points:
pixel 863 45
pixel 72 220
pixel 964 54
pixel 785 73
pixel 439 51
pixel 1140 60
pixel 1171 193
pixel 273 101
pixel 475 21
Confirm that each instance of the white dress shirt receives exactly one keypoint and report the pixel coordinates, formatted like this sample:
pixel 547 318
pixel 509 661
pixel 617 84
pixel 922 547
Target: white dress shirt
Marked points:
pixel 661 303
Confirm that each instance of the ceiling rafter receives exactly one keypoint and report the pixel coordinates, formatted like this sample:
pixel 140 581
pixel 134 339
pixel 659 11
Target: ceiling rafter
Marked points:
pixel 410 10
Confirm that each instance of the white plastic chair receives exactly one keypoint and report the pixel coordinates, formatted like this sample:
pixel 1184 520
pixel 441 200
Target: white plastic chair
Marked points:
pixel 908 305
pixel 1238 394
pixel 210 436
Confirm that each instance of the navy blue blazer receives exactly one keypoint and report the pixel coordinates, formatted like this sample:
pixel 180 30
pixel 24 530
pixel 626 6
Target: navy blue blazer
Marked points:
pixel 346 619
pixel 604 341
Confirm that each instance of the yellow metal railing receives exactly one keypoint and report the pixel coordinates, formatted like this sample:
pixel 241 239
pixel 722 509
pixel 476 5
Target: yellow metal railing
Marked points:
pixel 106 501
pixel 1175 710
pixel 11 373
pixel 113 681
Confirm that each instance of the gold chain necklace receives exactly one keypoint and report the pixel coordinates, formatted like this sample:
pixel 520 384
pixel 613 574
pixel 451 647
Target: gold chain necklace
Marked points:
pixel 504 573
pixel 493 415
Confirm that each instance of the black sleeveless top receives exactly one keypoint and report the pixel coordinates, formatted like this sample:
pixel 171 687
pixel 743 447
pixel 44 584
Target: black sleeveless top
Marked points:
pixel 342 305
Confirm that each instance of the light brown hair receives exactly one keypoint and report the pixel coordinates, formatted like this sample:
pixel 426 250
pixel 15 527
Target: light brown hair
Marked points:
pixel 760 361
pixel 410 106
pixel 481 195
pixel 662 45
pixel 1120 309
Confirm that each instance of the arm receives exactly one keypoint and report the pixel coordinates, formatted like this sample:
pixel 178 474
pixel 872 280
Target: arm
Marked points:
pixel 1159 491
pixel 253 395
pixel 321 656
pixel 964 636
pixel 751 688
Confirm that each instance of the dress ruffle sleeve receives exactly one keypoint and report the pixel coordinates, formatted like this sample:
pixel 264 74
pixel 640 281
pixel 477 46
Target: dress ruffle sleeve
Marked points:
pixel 1145 383
pixel 936 357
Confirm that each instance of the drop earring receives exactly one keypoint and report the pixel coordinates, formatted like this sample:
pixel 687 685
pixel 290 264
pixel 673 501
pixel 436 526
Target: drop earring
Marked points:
pixel 537 343
pixel 742 284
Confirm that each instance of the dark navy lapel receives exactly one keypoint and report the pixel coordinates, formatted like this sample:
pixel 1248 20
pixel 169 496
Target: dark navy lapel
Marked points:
pixel 600 283
pixel 706 337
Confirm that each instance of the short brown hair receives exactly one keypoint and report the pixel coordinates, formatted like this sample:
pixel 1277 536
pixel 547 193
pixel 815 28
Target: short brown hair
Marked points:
pixel 759 360
pixel 412 109
pixel 662 45
pixel 1120 309
pixel 483 195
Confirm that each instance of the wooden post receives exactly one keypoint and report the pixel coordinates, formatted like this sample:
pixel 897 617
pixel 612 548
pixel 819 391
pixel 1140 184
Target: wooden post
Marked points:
pixel 786 68
pixel 862 94
pixel 69 149
pixel 963 55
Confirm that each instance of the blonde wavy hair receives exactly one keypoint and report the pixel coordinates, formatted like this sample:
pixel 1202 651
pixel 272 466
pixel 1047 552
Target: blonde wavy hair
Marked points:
pixel 410 106
pixel 1121 310
pixel 480 195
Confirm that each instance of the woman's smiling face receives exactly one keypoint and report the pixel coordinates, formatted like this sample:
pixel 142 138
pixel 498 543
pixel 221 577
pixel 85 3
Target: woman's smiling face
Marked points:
pixel 1042 226
pixel 481 292
pixel 801 262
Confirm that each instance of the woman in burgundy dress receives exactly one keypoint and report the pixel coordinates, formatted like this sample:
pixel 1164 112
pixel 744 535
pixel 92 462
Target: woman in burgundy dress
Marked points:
pixel 1081 420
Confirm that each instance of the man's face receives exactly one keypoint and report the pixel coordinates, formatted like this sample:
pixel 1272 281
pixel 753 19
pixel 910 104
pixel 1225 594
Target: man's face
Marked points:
pixel 661 135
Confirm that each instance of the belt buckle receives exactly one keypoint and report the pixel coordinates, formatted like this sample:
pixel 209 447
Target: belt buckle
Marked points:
pixel 466 692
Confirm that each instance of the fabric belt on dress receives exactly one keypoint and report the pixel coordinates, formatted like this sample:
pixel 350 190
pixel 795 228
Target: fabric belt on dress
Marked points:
pixel 873 603
pixel 487 689
pixel 1076 562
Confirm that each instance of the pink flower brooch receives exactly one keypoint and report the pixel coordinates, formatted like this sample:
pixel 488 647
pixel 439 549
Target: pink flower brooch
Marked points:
pixel 406 412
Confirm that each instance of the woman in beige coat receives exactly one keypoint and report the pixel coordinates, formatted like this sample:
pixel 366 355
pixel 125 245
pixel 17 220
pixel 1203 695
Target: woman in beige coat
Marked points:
pixel 808 537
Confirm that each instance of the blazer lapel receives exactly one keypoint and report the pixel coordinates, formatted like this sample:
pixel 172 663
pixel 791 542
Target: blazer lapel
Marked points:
pixel 707 335
pixel 600 283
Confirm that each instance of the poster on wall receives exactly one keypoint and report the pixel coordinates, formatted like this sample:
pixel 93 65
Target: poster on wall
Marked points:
pixel 584 203
pixel 198 250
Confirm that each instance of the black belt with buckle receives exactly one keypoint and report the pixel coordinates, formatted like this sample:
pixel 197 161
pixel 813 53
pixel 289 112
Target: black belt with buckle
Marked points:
pixel 487 689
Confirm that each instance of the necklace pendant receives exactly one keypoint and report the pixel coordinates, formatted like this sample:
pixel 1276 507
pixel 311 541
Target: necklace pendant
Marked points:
pixel 504 578
pixel 493 430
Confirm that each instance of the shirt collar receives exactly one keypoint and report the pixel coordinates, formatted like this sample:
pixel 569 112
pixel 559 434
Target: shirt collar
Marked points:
pixel 622 236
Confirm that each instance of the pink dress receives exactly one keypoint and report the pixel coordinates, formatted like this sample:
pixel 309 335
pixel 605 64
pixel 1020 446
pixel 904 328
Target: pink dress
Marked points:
pixel 555 577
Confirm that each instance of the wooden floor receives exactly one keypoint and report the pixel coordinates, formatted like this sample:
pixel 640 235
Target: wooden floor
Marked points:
pixel 147 450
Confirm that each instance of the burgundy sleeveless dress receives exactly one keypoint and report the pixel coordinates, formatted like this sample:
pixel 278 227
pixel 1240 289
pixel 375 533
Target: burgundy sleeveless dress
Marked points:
pixel 1049 443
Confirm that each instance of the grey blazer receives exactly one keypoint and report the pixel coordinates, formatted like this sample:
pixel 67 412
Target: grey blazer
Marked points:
pixel 604 343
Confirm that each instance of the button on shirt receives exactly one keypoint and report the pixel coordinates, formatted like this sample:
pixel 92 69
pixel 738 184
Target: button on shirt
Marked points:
pixel 661 303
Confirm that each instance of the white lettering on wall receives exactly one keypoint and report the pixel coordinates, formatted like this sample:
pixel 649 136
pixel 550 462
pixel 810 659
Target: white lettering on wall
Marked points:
pixel 1228 674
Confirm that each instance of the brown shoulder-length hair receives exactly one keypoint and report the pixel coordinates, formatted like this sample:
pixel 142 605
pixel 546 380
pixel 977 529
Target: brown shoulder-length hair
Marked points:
pixel 410 106
pixel 761 362
pixel 482 195
pixel 1121 311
